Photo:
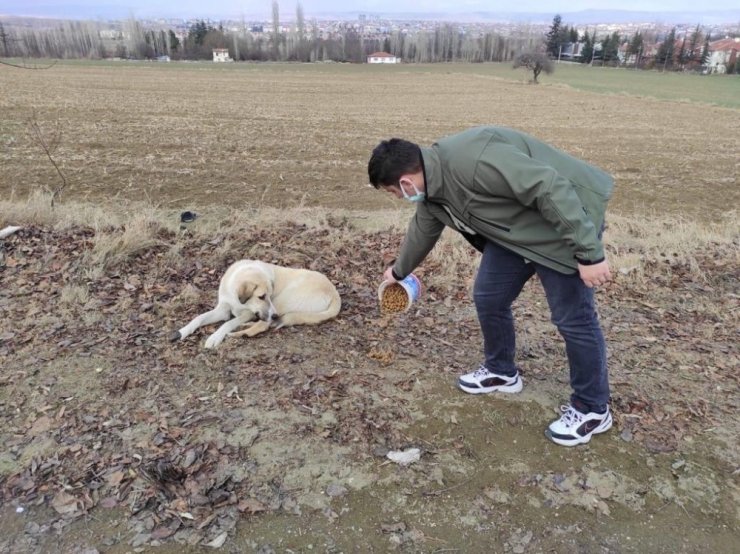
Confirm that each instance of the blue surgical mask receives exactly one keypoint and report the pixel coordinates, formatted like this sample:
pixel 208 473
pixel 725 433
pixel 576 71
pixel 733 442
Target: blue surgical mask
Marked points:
pixel 418 197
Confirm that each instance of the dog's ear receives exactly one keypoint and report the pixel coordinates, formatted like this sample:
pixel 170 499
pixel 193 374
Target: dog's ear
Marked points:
pixel 245 291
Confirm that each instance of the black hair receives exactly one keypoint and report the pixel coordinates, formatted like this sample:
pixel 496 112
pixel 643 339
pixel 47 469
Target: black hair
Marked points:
pixel 392 159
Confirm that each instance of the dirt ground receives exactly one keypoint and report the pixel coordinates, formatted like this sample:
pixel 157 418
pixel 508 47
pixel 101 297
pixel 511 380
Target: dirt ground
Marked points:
pixel 188 134
pixel 113 439
pixel 116 440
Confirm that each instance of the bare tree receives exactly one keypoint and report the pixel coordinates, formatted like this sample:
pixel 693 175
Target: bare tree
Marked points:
pixel 300 19
pixel 48 145
pixel 536 62
pixel 275 30
pixel 4 39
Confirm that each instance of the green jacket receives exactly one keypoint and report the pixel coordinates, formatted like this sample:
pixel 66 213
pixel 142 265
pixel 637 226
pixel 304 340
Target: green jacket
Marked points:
pixel 505 186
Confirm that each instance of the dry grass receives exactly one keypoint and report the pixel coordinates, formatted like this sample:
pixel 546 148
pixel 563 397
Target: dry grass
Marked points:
pixel 74 295
pixel 634 245
pixel 632 242
pixel 113 246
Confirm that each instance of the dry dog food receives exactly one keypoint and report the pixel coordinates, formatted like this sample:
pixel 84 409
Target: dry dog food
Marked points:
pixel 394 299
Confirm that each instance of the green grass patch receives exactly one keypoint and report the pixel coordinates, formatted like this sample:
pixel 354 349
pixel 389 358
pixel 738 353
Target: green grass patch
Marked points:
pixel 720 90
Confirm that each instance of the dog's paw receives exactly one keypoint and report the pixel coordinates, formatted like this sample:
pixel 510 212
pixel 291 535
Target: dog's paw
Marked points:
pixel 214 340
pixel 175 336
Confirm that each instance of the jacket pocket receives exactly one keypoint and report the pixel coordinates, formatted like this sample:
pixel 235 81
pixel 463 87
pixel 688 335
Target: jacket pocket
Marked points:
pixel 491 223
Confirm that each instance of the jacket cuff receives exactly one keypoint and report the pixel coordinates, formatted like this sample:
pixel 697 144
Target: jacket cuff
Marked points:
pixel 590 262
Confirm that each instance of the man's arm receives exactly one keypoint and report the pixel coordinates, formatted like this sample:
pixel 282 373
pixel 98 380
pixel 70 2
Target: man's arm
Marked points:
pixel 422 234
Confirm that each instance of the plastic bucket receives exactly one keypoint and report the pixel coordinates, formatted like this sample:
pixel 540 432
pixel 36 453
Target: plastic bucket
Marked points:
pixel 411 285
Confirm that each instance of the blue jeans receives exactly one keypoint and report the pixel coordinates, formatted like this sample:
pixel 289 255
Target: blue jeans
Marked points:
pixel 500 279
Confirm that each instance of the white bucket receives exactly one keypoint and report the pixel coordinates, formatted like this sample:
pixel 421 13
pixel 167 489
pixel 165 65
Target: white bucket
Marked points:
pixel 410 284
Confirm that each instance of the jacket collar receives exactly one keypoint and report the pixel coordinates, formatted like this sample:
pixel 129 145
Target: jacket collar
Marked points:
pixel 432 173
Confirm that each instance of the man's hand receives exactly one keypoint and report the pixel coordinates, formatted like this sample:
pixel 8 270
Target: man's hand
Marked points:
pixel 388 275
pixel 595 275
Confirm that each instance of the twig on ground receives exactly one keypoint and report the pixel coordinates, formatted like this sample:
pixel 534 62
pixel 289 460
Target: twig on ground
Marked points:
pixel 440 491
pixel 52 64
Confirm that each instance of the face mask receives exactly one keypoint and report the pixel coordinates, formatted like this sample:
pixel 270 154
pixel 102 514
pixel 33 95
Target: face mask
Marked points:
pixel 418 197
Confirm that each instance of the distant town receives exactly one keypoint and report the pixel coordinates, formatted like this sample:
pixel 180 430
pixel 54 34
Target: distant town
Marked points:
pixel 371 38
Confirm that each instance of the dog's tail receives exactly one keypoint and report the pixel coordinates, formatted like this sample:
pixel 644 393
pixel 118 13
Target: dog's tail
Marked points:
pixel 311 318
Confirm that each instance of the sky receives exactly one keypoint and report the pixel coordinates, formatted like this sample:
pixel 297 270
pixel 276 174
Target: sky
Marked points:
pixel 236 8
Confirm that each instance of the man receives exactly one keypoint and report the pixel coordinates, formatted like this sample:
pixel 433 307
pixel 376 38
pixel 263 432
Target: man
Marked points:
pixel 529 208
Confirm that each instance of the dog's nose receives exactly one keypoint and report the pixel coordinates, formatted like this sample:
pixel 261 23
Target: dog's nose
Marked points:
pixel 275 316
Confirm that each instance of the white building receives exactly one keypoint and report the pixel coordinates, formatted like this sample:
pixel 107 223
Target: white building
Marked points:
pixel 382 57
pixel 221 55
pixel 722 53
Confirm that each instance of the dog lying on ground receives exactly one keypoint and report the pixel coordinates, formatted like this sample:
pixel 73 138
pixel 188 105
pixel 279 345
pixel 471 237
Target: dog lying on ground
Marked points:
pixel 265 296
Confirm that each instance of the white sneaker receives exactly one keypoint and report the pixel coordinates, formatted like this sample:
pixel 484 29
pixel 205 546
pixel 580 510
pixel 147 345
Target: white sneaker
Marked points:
pixel 575 427
pixel 482 380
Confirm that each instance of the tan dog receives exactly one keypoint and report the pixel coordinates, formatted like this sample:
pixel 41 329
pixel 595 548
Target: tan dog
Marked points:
pixel 266 295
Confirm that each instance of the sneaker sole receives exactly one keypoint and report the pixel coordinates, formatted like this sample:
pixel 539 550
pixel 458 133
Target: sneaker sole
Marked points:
pixel 513 388
pixel 603 428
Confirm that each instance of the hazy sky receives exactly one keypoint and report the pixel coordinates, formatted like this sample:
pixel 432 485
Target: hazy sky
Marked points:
pixel 200 8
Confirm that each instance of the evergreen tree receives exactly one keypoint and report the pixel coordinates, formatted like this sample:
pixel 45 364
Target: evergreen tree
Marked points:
pixel 563 38
pixel 573 35
pixel 635 47
pixel 198 32
pixel 587 52
pixel 174 41
pixel 682 54
pixel 610 49
pixel 693 54
pixel 553 36
pixel 666 50
pixel 705 51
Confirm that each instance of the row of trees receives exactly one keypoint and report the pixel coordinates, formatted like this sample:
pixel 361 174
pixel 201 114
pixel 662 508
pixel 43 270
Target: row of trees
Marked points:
pixel 305 42
pixel 559 35
pixel 693 52
pixel 71 39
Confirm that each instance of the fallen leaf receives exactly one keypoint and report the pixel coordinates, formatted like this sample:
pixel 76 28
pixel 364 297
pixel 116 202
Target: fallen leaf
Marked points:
pixel 162 532
pixel 64 503
pixel 219 541
pixel 41 425
pixel 108 502
pixel 251 505
pixel 115 478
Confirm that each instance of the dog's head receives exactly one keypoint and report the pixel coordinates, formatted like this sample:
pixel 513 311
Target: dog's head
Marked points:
pixel 255 293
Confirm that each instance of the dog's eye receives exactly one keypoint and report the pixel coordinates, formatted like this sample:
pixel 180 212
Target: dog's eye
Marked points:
pixel 262 297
